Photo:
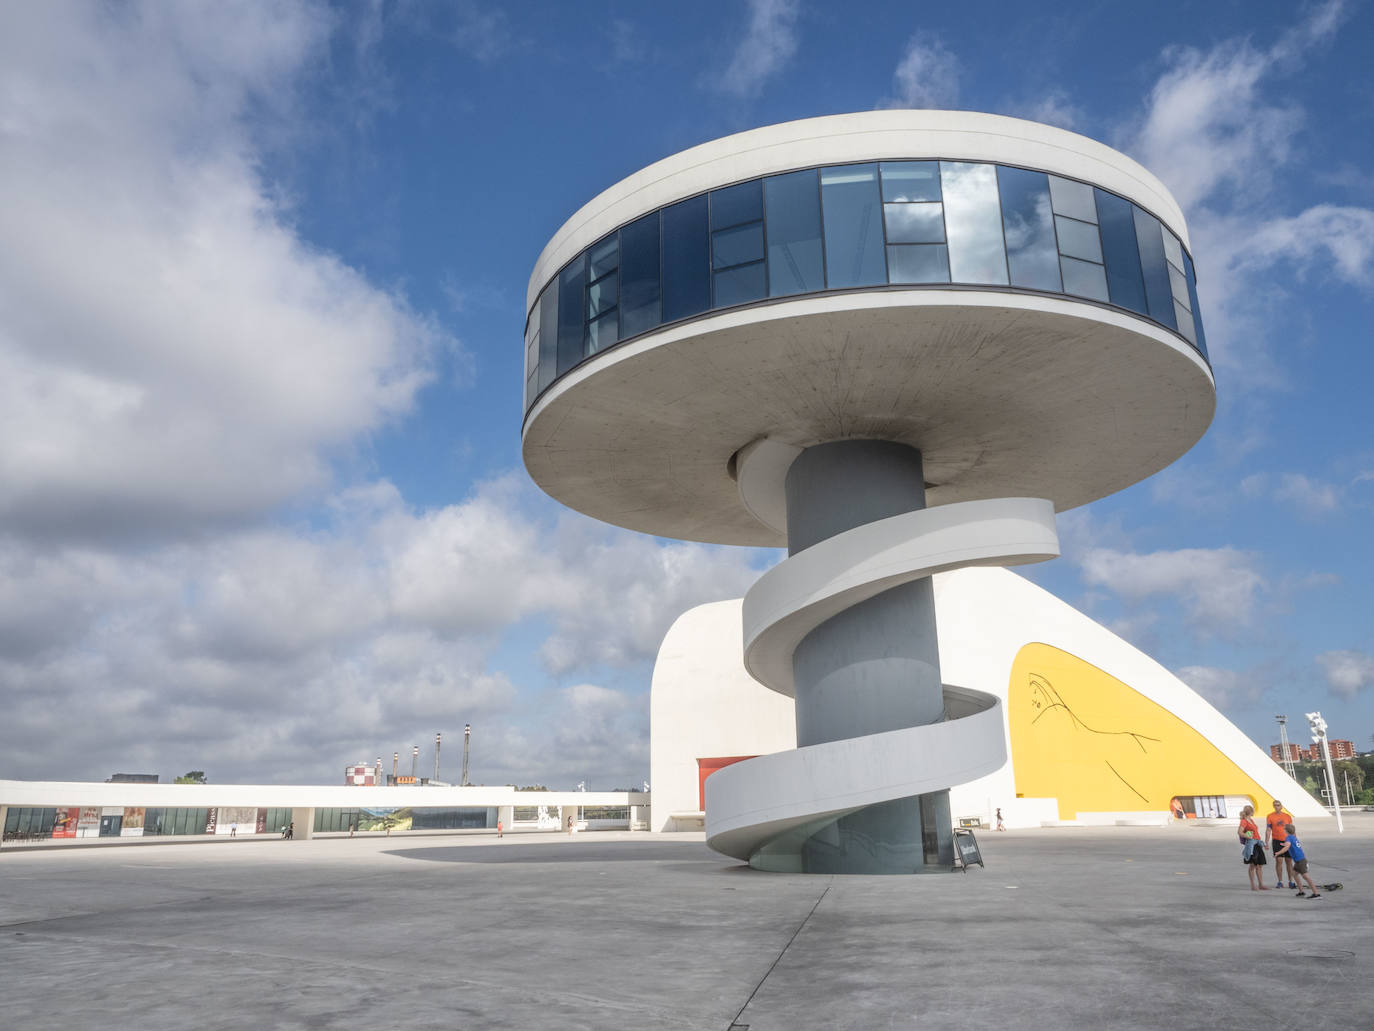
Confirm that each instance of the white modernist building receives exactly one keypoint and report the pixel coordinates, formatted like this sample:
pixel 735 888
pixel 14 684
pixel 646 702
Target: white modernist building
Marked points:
pixel 897 343
pixel 1103 733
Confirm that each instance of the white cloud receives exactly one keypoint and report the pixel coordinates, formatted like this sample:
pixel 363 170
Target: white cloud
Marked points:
pixel 283 653
pixel 1218 587
pixel 1054 108
pixel 1219 129
pixel 768 43
pixel 1311 497
pixel 172 354
pixel 1223 687
pixel 1348 672
pixel 927 75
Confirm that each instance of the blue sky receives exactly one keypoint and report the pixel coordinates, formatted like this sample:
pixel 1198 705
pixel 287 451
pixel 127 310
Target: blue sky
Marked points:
pixel 262 273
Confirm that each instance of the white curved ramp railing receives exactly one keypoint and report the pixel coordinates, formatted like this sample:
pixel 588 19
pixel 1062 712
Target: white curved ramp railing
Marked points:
pixel 760 810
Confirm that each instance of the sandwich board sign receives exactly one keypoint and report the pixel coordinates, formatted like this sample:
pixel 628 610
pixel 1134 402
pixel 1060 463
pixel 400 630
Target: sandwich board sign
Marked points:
pixel 966 848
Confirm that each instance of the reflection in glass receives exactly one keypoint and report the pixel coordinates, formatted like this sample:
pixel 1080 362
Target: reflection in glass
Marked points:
pixel 1072 198
pixel 570 286
pixel 914 223
pixel 601 296
pixel 603 257
pixel 1084 278
pixel 1125 286
pixel 1178 283
pixel 1197 312
pixel 918 263
pixel 973 222
pixel 602 333
pixel 686 259
pixel 911 180
pixel 1185 322
pixel 1078 239
pixel 853 226
pixel 1029 226
pixel 639 308
pixel 736 204
pixel 1159 295
pixel 795 263
pixel 548 336
pixel 1173 251
pixel 737 246
pixel 740 285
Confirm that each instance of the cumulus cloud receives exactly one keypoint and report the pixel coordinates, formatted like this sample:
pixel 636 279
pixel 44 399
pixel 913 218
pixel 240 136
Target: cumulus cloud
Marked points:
pixel 284 652
pixel 1223 687
pixel 1220 130
pixel 1218 587
pixel 1311 497
pixel 1348 672
pixel 1054 108
pixel 926 76
pixel 768 43
pixel 172 354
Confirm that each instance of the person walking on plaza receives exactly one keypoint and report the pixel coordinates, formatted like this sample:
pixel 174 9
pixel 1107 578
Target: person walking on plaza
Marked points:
pixel 291 831
pixel 1000 826
pixel 234 830
pixel 1290 850
pixel 1274 833
pixel 500 828
pixel 1252 854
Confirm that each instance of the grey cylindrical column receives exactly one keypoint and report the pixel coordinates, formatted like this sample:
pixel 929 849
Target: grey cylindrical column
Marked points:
pixel 873 667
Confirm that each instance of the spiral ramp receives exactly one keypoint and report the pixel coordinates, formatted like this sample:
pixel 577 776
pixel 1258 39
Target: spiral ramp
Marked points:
pixel 763 809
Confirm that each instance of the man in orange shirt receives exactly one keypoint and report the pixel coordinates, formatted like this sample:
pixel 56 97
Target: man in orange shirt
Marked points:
pixel 1274 827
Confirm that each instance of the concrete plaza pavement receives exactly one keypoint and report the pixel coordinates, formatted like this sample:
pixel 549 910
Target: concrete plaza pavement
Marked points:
pixel 1123 927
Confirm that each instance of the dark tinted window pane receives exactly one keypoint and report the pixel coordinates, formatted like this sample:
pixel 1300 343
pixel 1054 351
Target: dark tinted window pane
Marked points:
pixel 601 296
pixel 603 257
pixel 795 264
pixel 1197 312
pixel 1153 267
pixel 914 223
pixel 570 287
pixel 1029 226
pixel 973 223
pixel 853 226
pixel 737 246
pixel 639 276
pixel 1078 239
pixel 740 285
pixel 1124 283
pixel 1084 278
pixel 911 180
pixel 686 260
pixel 736 204
pixel 1073 198
pixel 548 335
pixel 918 263
pixel 602 333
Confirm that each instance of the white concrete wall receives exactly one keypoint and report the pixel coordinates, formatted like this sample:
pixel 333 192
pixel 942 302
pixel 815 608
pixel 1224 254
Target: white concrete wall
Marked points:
pixel 703 704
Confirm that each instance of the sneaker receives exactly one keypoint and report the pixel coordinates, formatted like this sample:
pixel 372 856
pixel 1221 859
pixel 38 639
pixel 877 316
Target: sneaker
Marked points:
pixel 1292 884
pixel 1300 895
pixel 1279 885
pixel 1314 895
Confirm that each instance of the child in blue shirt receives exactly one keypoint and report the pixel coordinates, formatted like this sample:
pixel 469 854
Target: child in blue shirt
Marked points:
pixel 1292 849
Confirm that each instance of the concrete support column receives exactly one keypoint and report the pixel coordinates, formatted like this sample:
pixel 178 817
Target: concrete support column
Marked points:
pixel 304 819
pixel 565 811
pixel 505 815
pixel 4 814
pixel 874 667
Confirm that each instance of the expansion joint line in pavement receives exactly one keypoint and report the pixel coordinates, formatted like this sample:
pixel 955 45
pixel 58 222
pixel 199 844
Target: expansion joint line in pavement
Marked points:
pixel 735 1025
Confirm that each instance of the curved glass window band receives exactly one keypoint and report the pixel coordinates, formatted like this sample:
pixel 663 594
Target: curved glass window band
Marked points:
pixel 842 227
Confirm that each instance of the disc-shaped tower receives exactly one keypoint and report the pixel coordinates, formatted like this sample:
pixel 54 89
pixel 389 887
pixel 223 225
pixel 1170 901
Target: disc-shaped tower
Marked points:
pixel 895 343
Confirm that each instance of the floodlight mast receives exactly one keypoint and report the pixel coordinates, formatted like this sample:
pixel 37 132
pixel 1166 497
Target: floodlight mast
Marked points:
pixel 1318 725
pixel 895 343
pixel 467 738
pixel 1285 759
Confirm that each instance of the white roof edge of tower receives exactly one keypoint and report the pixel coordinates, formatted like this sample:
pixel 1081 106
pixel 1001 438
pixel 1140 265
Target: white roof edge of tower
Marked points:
pixel 845 138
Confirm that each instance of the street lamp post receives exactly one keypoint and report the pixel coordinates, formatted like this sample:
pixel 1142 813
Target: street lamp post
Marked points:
pixel 1318 725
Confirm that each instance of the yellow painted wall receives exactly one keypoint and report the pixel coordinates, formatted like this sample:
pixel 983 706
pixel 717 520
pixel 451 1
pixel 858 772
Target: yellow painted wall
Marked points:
pixel 1097 745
